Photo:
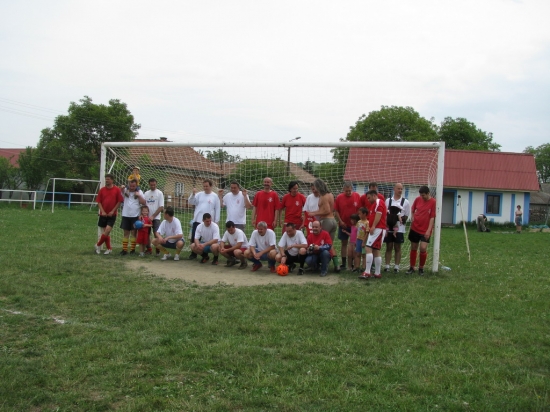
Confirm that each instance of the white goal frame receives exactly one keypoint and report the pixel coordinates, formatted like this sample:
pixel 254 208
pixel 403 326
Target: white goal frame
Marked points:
pixel 439 146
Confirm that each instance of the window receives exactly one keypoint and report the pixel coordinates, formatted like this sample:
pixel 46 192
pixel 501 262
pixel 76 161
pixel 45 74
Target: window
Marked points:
pixel 493 204
pixel 179 189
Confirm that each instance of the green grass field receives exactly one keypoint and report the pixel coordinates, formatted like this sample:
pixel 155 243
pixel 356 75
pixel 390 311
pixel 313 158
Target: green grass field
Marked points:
pixel 81 332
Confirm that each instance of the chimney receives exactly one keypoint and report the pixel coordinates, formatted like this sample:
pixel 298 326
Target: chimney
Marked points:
pixel 163 139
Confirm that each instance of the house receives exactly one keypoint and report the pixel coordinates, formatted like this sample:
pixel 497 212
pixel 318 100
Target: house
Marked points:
pixel 474 182
pixel 12 155
pixel 539 210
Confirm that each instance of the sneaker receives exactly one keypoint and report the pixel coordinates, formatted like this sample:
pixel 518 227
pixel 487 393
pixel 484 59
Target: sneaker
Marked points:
pixel 176 257
pixel 123 253
pixel 215 261
pixel 205 259
pixel 192 256
pixel 231 262
pixel 142 254
pixel 272 269
pixel 243 265
pixel 342 267
pixel 396 270
pixel 336 269
pixel 378 276
pixel 292 267
pixel 355 271
pixel 108 252
pixel 300 271
pixel 157 254
pixel 386 269
pixel 148 252
pixel 132 252
pixel 256 266
pixel 365 275
pixel 421 271
pixel 97 249
pixel 165 257
pixel 323 274
pixel 410 271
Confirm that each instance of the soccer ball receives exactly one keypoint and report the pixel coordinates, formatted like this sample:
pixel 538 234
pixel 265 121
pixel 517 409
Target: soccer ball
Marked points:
pixel 138 224
pixel 282 270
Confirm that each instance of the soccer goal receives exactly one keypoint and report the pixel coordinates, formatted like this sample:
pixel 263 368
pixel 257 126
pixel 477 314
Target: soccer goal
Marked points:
pixel 180 167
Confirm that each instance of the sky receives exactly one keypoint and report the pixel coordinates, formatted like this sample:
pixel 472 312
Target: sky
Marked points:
pixel 247 71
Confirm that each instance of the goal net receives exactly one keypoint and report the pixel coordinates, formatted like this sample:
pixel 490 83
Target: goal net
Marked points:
pixel 180 167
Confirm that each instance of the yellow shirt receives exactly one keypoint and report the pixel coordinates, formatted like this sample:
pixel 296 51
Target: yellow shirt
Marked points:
pixel 132 177
pixel 362 229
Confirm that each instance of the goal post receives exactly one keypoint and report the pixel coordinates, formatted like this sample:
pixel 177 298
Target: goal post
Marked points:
pixel 180 167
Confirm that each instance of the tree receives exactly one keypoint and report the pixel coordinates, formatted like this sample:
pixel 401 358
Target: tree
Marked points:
pixel 459 133
pixel 542 161
pixel 10 176
pixel 31 171
pixel 72 147
pixel 221 156
pixel 250 174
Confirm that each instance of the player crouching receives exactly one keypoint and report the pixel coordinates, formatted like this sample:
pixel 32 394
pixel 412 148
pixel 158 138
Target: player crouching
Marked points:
pixel 169 235
pixel 233 245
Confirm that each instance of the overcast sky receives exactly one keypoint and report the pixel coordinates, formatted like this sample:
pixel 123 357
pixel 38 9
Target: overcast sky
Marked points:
pixel 257 70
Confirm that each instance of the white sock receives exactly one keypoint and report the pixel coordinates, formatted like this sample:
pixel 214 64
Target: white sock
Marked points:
pixel 369 262
pixel 387 266
pixel 377 264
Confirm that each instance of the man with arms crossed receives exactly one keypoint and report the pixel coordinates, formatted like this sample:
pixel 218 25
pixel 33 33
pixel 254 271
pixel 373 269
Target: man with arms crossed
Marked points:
pixel 133 199
pixel 377 232
pixel 108 200
pixel 236 202
pixel 292 248
pixel 266 206
pixel 154 199
pixel 207 238
pixel 423 217
pixel 169 235
pixel 346 204
pixel 318 251
pixel 262 247
pixel 233 245
pixel 204 202
pixel 292 203
pixel 394 241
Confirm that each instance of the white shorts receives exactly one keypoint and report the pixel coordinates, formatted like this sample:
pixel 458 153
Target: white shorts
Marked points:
pixel 376 240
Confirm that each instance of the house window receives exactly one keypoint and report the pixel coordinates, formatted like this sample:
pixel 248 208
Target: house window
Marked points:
pixel 179 189
pixel 492 205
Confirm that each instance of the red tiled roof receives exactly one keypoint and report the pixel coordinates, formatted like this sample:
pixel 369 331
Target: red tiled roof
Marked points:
pixel 12 155
pixel 463 168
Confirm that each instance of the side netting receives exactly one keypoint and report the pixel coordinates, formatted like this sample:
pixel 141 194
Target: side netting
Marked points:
pixel 180 167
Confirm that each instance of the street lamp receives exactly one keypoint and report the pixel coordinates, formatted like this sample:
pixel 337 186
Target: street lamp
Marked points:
pixel 288 159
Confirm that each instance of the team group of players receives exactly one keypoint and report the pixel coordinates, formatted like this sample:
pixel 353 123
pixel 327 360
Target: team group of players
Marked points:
pixel 362 224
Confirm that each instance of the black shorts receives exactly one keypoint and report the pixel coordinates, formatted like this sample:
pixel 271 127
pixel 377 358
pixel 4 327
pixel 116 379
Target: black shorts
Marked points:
pixel 172 245
pixel 127 223
pixel 397 238
pixel 417 237
pixel 341 234
pixel 105 221
pixel 294 259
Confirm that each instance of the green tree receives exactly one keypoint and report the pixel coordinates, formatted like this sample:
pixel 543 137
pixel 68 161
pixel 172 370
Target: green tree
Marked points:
pixel 542 161
pixel 72 147
pixel 459 133
pixel 221 156
pixel 31 170
pixel 10 176
pixel 250 174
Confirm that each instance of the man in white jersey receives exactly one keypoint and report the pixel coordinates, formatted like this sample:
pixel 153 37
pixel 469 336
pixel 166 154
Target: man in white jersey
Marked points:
pixel 133 199
pixel 204 202
pixel 233 245
pixel 393 240
pixel 169 235
pixel 154 199
pixel 236 202
pixel 207 238
pixel 262 247
pixel 292 248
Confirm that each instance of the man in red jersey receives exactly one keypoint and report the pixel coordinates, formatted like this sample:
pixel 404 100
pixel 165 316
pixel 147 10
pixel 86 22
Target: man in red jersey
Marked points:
pixel 108 200
pixel 318 251
pixel 423 218
pixel 292 204
pixel 365 202
pixel 346 204
pixel 266 206
pixel 377 233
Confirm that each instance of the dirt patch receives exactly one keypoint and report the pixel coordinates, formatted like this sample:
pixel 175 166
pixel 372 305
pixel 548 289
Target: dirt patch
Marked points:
pixel 207 274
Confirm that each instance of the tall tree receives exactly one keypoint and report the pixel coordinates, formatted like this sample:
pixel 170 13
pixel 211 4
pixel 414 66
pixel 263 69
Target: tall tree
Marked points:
pixel 72 147
pixel 31 170
pixel 542 161
pixel 459 133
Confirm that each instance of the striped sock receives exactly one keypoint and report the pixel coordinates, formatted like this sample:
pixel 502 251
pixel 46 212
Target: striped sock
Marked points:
pixel 125 244
pixel 132 244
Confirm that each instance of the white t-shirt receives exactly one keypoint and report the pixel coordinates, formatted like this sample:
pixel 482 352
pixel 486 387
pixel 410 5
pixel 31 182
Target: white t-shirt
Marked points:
pixel 235 238
pixel 312 203
pixel 205 203
pixel 207 233
pixel 236 208
pixel 405 212
pixel 263 242
pixel 172 228
pixel 154 199
pixel 287 241
pixel 131 206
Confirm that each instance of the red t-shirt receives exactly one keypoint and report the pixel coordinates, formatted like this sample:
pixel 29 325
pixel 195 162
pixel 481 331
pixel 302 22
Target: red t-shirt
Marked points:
pixel 293 208
pixel 422 211
pixel 379 206
pixel 323 238
pixel 109 197
pixel 365 202
pixel 266 203
pixel 347 206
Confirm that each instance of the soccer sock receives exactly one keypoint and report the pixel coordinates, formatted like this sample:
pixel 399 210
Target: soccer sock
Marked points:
pixel 108 242
pixel 125 244
pixel 132 243
pixel 387 266
pixel 423 257
pixel 163 250
pixel 377 264
pixel 101 240
pixel 344 261
pixel 178 251
pixel 302 260
pixel 369 262
pixel 335 260
pixel 413 258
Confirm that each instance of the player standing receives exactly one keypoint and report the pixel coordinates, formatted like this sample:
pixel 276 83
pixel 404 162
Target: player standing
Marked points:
pixel 423 218
pixel 377 233
pixel 266 206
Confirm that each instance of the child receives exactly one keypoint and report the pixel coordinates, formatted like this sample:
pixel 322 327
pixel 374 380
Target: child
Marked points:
pixel 143 233
pixel 134 176
pixel 352 239
pixel 394 218
pixel 362 235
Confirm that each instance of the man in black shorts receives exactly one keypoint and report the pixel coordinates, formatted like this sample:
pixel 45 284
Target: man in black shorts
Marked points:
pixel 396 234
pixel 108 200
